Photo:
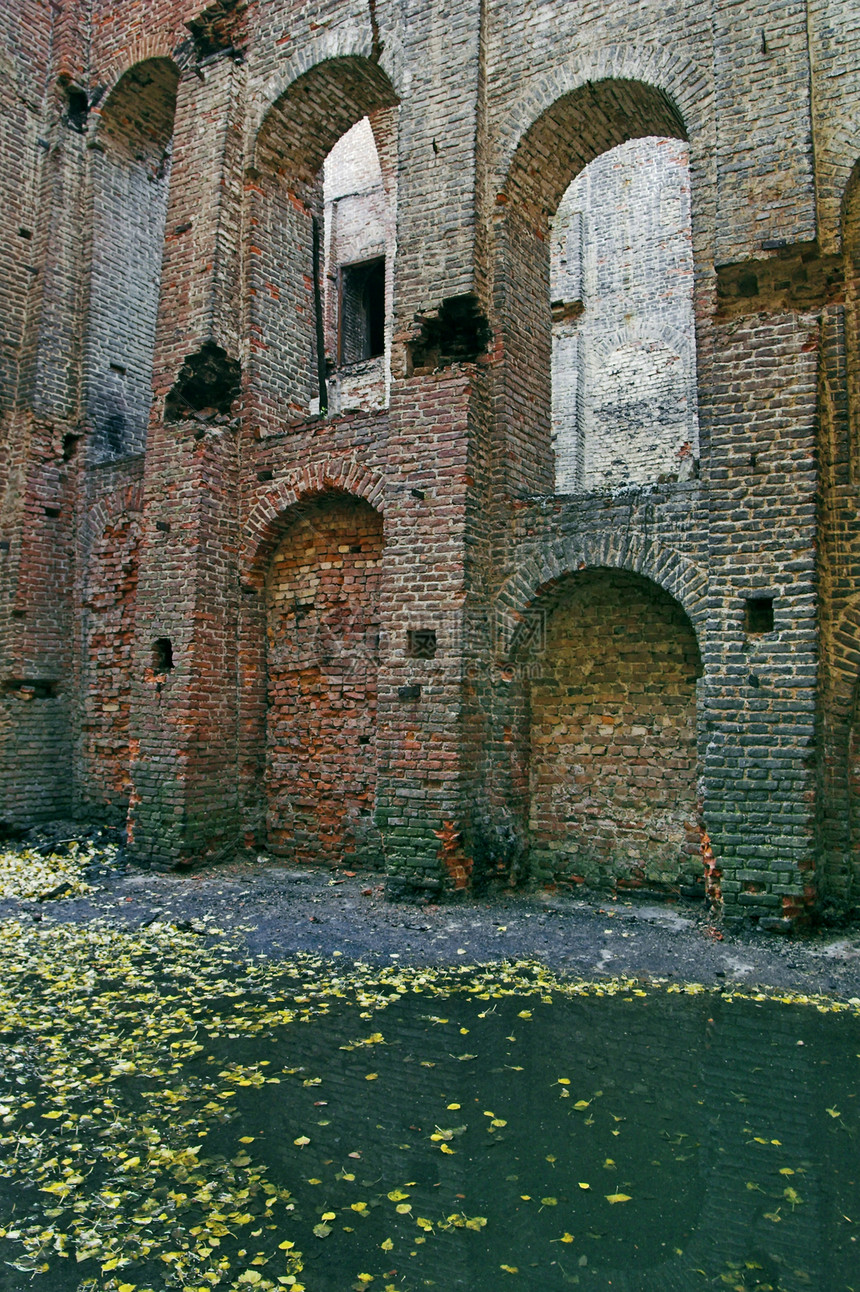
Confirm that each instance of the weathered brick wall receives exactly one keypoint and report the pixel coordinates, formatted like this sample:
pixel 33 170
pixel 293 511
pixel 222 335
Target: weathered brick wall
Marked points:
pixel 322 641
pixel 106 640
pixel 624 401
pixel 482 117
pixel 130 180
pixel 613 762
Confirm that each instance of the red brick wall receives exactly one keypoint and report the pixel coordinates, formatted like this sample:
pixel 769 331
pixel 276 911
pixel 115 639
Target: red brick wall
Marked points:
pixel 322 596
pixel 613 734
pixel 107 616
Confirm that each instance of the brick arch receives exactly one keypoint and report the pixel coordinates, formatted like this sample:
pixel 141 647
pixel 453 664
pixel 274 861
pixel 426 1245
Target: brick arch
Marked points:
pixel 285 225
pixel 159 45
pixel 266 520
pixel 682 86
pixel 96 518
pixel 346 41
pixel 677 575
pixel 846 664
pixel 305 121
pixel 613 760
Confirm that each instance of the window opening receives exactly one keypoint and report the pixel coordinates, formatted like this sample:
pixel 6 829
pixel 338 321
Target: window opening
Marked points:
pixel 361 333
pixel 759 615
pixel 162 655
pixel 421 643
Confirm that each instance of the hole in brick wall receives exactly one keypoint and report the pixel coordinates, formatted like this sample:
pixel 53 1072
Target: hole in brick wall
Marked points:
pixel 758 615
pixel 458 333
pixel 421 643
pixel 30 688
pixel 53 512
pixel 118 368
pixel 362 311
pixel 217 29
pixel 207 385
pixel 77 109
pixel 25 233
pixel 162 655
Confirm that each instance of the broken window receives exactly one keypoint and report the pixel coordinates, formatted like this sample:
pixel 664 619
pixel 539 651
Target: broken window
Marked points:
pixel 361 330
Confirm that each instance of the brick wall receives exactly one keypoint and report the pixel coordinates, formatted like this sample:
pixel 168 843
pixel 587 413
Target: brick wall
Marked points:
pixel 322 641
pixel 482 116
pixel 624 403
pixel 613 762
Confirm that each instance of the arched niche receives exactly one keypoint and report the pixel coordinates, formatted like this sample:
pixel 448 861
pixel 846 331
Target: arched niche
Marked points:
pixel 322 658
pixel 130 180
pixel 576 129
pixel 290 349
pixel 611 675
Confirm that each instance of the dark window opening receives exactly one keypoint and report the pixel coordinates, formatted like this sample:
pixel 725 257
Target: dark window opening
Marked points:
pixel 362 311
pixel 77 109
pixel 421 643
pixel 162 655
pixel 30 688
pixel 759 615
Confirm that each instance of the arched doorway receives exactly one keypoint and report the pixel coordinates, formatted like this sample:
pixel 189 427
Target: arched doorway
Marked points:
pixel 613 764
pixel 322 652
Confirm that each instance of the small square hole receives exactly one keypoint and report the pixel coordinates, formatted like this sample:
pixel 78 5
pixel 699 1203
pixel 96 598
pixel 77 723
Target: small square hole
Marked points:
pixel 759 615
pixel 162 655
pixel 421 643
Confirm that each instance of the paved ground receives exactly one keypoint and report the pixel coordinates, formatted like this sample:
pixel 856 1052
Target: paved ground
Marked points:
pixel 280 910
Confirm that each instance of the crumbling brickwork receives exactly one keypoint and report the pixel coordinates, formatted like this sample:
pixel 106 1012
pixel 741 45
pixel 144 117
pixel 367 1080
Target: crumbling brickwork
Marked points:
pixel 548 570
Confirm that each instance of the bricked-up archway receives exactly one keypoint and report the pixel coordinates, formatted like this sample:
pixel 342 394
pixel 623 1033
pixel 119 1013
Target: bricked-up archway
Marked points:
pixel 130 178
pixel 322 645
pixel 613 762
pixel 572 132
pixel 287 224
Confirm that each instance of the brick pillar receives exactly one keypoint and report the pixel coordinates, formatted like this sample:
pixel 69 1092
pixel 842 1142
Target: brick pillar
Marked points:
pixel 184 800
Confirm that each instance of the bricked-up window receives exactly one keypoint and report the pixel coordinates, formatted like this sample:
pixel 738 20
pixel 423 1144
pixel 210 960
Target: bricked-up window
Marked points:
pixel 758 615
pixel 362 311
pixel 624 403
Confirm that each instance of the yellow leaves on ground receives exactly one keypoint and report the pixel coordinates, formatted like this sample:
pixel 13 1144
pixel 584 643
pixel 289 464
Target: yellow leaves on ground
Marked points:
pixel 26 874
pixel 113 1012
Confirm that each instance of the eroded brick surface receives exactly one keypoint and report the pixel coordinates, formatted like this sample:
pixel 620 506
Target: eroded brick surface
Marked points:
pixel 613 735
pixel 322 644
pixel 178 478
